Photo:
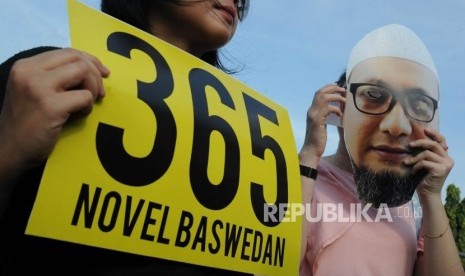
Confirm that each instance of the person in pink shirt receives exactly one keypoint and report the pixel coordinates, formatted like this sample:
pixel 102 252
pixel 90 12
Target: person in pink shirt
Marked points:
pixel 362 219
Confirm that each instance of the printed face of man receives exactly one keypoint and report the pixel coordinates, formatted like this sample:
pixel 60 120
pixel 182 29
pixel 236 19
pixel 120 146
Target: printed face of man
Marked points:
pixel 389 104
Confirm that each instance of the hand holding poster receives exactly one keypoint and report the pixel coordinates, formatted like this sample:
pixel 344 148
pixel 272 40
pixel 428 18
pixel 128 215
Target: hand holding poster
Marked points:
pixel 179 161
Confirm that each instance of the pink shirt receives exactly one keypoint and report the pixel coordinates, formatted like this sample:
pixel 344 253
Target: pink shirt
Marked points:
pixel 373 242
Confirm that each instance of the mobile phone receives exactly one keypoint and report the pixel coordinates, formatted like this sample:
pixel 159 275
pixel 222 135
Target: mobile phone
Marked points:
pixel 333 119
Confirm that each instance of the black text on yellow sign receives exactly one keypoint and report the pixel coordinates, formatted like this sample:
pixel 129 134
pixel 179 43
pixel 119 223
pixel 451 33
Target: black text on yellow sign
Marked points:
pixel 179 160
pixel 229 240
pixel 135 171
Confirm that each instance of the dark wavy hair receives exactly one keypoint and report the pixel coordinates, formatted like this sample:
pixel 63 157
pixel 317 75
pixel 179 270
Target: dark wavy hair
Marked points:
pixel 136 13
pixel 341 82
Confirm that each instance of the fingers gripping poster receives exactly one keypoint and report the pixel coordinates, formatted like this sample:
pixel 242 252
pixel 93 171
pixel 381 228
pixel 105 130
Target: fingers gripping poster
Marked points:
pixel 178 161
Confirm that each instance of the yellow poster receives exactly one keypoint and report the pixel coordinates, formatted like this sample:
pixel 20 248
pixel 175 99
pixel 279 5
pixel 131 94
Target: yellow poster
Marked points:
pixel 179 161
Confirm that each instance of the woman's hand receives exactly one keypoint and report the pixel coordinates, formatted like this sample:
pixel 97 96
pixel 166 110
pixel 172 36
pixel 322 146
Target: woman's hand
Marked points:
pixel 320 109
pixel 433 160
pixel 42 93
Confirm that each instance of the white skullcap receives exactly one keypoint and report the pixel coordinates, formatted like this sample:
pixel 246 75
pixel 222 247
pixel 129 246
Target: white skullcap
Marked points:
pixel 392 40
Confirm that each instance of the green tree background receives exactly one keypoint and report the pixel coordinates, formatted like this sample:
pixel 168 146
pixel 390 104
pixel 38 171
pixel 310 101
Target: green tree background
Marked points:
pixel 455 210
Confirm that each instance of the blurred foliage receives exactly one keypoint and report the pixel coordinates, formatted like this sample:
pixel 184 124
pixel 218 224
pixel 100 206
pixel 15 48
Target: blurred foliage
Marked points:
pixel 455 210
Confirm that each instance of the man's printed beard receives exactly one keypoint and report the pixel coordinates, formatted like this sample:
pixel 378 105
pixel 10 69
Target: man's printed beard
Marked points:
pixel 385 187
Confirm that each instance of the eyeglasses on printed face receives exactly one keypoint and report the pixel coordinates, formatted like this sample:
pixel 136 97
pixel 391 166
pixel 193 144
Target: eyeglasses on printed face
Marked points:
pixel 375 99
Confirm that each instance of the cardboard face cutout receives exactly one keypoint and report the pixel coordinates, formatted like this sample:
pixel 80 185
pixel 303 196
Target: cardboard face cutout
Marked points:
pixel 392 97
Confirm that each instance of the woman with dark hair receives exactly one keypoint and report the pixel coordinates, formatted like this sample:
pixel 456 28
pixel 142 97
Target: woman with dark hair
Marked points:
pixel 42 88
pixel 137 14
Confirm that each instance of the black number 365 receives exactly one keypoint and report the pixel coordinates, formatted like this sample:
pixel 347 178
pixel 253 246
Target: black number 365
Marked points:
pixel 141 171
